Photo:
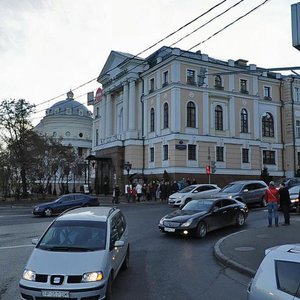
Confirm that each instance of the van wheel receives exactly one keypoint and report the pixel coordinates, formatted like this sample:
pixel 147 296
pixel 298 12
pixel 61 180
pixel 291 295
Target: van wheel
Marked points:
pixel 201 230
pixel 108 292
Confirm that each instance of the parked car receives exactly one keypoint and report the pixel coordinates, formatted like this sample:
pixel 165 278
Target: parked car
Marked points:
pixel 63 203
pixel 294 195
pixel 278 276
pixel 290 182
pixel 198 217
pixel 246 191
pixel 78 256
pixel 191 192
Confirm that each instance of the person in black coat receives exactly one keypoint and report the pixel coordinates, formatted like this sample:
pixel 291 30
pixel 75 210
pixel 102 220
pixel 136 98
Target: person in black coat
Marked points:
pixel 285 203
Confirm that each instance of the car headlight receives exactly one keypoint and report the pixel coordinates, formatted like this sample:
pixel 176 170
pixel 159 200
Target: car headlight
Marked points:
pixel 161 222
pixel 92 276
pixel 295 200
pixel 230 196
pixel 187 223
pixel 29 275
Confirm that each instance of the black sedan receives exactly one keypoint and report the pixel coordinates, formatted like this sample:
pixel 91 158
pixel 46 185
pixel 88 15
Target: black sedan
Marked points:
pixel 63 203
pixel 201 216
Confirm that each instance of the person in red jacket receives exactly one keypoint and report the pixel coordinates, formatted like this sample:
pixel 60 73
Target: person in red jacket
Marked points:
pixel 272 199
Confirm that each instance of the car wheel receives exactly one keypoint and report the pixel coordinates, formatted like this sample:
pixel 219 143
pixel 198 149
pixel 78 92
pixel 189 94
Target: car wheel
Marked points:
pixel 48 212
pixel 108 292
pixel 240 219
pixel 201 230
pixel 125 264
pixel 263 202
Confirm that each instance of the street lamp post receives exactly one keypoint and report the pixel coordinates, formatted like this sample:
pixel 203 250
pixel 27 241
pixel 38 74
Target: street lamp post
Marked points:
pixel 127 167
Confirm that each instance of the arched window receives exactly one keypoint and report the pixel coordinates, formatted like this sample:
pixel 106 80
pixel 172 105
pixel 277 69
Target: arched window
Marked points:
pixel 152 119
pixel 166 115
pixel 244 121
pixel 218 117
pixel 191 115
pixel 218 81
pixel 267 125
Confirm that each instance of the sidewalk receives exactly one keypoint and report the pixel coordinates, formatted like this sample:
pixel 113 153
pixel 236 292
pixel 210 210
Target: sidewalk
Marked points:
pixel 244 250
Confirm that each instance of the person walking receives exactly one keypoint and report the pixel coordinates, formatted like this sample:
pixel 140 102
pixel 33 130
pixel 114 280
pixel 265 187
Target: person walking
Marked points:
pixel 272 199
pixel 285 202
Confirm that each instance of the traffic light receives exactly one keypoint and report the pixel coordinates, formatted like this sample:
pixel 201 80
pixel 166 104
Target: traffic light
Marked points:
pixel 213 166
pixel 207 168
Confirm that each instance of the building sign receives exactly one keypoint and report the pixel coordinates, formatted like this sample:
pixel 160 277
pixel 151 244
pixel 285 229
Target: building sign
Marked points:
pixel 180 147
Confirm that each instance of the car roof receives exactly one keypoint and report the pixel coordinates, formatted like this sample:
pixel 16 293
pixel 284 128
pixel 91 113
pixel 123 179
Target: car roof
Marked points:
pixel 89 213
pixel 247 181
pixel 288 251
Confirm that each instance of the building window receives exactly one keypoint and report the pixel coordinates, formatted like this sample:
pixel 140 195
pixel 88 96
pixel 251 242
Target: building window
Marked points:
pixel 218 82
pixel 151 85
pixel 166 115
pixel 97 112
pixel 80 152
pixel 80 112
pixel 243 86
pixel 219 153
pixel 191 152
pixel 190 77
pixel 151 154
pixel 218 117
pixel 80 134
pixel 166 152
pixel 165 78
pixel 245 155
pixel 296 94
pixel 267 93
pixel 267 125
pixel 191 115
pixel 244 121
pixel 298 129
pixel 97 137
pixel 269 157
pixel 68 133
pixel 54 134
pixel 68 111
pixel 56 111
pixel 152 119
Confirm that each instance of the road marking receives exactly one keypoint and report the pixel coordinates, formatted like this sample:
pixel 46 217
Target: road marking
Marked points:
pixel 3 216
pixel 13 247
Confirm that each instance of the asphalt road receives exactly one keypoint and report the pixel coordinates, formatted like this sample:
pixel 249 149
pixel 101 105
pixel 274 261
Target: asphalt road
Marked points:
pixel 161 266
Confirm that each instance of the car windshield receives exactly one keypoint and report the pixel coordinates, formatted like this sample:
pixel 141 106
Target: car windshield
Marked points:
pixel 295 189
pixel 187 189
pixel 200 205
pixel 232 188
pixel 74 236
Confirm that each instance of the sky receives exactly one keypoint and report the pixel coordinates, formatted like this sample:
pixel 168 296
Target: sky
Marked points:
pixel 48 47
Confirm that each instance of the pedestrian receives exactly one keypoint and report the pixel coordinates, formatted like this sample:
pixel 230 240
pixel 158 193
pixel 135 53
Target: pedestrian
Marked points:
pixel 117 194
pixel 272 199
pixel 285 202
pixel 139 191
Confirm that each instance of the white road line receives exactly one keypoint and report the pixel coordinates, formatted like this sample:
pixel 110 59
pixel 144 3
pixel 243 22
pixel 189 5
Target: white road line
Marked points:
pixel 13 247
pixel 3 216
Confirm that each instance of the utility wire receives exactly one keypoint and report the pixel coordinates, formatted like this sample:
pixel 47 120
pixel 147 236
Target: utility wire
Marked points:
pixel 135 56
pixel 216 33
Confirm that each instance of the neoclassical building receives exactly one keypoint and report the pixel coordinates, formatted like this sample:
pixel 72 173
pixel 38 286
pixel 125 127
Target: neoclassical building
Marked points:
pixel 72 122
pixel 179 111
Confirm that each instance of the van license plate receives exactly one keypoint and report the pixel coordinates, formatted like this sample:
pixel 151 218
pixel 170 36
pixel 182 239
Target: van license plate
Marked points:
pixel 56 294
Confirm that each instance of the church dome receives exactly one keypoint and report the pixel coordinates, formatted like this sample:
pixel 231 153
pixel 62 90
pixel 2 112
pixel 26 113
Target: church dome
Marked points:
pixel 69 107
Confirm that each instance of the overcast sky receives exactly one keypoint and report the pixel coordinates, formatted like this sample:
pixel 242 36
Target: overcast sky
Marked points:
pixel 48 47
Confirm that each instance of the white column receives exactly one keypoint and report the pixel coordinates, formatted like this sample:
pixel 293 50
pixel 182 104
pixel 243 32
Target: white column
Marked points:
pixel 232 118
pixel 132 105
pixel 108 119
pixel 140 107
pixel 175 110
pixel 125 106
pixel 206 114
pixel 103 117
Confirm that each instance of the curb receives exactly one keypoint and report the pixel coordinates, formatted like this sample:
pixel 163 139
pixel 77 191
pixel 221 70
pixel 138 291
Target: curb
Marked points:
pixel 225 260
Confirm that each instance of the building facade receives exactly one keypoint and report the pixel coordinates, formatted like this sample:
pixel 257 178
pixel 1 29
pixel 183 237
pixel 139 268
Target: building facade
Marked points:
pixel 180 111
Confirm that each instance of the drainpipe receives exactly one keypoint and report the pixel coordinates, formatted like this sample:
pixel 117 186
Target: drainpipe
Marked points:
pixel 281 127
pixel 293 123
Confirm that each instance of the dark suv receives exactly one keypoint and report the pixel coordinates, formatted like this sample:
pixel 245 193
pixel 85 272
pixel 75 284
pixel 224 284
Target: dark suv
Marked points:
pixel 246 191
